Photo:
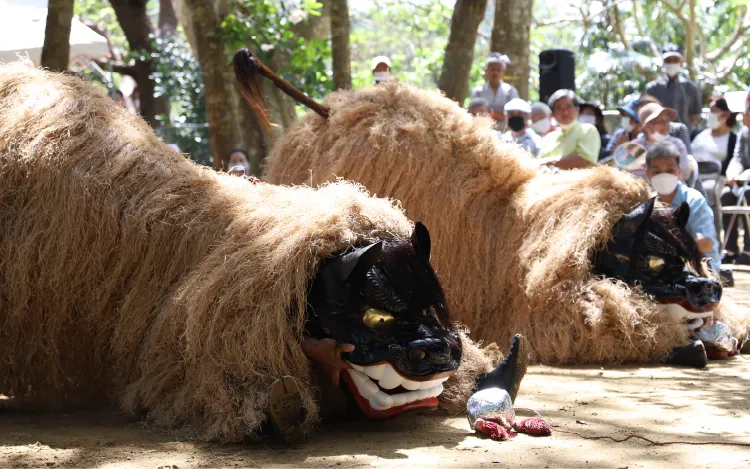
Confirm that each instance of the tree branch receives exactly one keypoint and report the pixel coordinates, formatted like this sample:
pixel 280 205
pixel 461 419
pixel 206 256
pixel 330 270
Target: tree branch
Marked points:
pixel 743 25
pixel 677 11
pixel 722 77
pixel 120 68
pixel 620 30
pixel 584 18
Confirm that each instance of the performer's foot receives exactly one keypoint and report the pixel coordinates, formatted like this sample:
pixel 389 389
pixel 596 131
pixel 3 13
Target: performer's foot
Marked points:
pixel 510 371
pixel 286 411
pixel 693 354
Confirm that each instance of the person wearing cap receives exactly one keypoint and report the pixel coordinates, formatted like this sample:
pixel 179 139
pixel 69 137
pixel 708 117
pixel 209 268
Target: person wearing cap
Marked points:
pixel 630 127
pixel 517 112
pixel 674 91
pixel 663 172
pixel 575 144
pixel 738 171
pixel 495 91
pixel 676 129
pixel 541 119
pixel 381 69
pixel 591 113
pixel 655 121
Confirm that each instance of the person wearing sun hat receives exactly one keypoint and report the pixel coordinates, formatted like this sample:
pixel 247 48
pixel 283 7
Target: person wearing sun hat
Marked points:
pixel 495 91
pixel 674 91
pixel 517 112
pixel 655 121
pixel 381 69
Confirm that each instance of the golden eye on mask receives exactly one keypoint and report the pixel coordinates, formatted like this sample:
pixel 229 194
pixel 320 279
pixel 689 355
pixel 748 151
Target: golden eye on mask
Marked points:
pixel 655 263
pixel 377 319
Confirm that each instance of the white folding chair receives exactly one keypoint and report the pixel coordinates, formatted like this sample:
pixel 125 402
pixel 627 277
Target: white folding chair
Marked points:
pixel 709 174
pixel 742 209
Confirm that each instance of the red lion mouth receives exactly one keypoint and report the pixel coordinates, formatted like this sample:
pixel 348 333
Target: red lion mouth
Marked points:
pixel 382 392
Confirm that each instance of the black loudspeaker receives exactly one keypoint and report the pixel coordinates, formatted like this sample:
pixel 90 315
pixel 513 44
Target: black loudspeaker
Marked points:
pixel 557 70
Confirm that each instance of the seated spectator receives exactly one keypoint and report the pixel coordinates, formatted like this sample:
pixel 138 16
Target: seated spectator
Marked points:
pixel 676 129
pixel 381 69
pixel 517 112
pixel 541 120
pixel 478 107
pixel 495 91
pixel 238 163
pixel 738 170
pixel 574 144
pixel 592 114
pixel 663 170
pixel 630 127
pixel 655 124
pixel 717 141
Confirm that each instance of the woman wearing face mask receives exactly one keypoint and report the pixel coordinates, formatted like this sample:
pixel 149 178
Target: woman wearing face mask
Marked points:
pixel 655 121
pixel 517 112
pixel 717 141
pixel 592 114
pixel 663 172
pixel 238 162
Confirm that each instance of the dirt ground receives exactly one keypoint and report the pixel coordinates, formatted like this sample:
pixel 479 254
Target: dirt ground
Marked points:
pixel 659 403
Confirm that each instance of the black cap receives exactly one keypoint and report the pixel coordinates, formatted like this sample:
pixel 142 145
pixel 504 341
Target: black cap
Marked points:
pixel 671 50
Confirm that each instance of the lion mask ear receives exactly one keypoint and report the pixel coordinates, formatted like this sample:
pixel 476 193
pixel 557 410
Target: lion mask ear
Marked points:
pixel 420 239
pixel 628 225
pixel 355 263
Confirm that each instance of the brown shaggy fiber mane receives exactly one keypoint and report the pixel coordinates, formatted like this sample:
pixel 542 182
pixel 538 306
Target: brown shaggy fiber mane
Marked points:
pixel 512 244
pixel 129 274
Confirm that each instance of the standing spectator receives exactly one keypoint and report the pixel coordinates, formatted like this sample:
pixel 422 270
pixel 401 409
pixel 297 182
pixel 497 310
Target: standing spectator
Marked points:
pixel 676 92
pixel 518 112
pixel 574 144
pixel 478 107
pixel 495 91
pixel 630 127
pixel 662 170
pixel 541 120
pixel 655 123
pixel 592 114
pixel 381 69
pixel 738 170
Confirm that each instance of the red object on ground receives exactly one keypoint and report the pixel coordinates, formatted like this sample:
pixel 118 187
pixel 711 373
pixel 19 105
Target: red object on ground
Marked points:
pixel 534 426
pixel 494 430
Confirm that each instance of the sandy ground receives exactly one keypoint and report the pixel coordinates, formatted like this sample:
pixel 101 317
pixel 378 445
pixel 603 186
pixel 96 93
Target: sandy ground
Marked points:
pixel 660 403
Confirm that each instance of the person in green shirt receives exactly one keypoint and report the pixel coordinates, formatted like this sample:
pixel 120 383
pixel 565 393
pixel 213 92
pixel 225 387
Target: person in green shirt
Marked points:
pixel 575 144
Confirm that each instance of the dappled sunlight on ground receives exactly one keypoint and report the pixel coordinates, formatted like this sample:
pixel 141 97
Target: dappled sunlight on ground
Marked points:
pixel 658 402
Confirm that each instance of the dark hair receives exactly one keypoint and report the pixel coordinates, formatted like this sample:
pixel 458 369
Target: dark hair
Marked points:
pixel 599 116
pixel 238 150
pixel 721 103
pixel 662 150
pixel 478 102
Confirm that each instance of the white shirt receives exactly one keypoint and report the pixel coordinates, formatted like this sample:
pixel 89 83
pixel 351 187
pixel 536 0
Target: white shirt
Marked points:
pixel 495 101
pixel 706 147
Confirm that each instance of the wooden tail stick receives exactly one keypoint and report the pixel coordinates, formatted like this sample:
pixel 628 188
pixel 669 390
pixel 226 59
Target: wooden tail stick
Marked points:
pixel 247 71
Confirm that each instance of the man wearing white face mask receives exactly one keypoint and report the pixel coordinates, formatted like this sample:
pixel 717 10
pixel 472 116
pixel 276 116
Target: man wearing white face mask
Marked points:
pixel 541 119
pixel 663 173
pixel 674 91
pixel 381 69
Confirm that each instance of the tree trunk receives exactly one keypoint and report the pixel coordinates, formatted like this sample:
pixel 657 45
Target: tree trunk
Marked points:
pixel 167 18
pixel 133 18
pixel 459 53
pixel 340 49
pixel 690 39
pixel 230 121
pixel 510 35
pixel 56 49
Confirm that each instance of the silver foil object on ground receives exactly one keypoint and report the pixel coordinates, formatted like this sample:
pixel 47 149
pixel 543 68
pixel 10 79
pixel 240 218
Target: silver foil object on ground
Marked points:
pixel 491 404
pixel 717 334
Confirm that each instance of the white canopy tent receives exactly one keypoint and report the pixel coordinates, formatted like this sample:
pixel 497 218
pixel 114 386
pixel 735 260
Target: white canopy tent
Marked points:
pixel 22 25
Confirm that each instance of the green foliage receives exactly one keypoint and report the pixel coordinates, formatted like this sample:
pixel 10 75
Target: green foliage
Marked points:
pixel 412 34
pixel 271 30
pixel 178 76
